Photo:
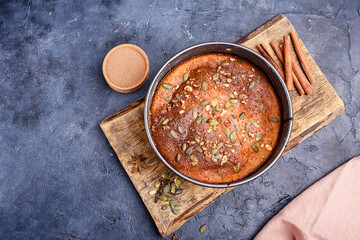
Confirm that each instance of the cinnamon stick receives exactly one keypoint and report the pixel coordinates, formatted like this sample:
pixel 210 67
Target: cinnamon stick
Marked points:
pixel 300 75
pixel 301 56
pixel 287 57
pixel 272 62
pixel 279 54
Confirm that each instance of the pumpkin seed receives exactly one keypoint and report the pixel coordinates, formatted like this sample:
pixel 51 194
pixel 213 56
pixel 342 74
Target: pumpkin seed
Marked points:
pixel 157 183
pixel 174 211
pixel 224 63
pixel 177 207
pixel 178 157
pixel 166 189
pixel 172 188
pixel 261 107
pixel 183 147
pixel 234 100
pixel 239 60
pixel 203 103
pixel 232 136
pixel 166 97
pixel 213 151
pixel 228 145
pixel 193 158
pixel 200 69
pixel 161 120
pixel 165 121
pixel 234 117
pixel 242 115
pixel 164 198
pixel 197 138
pixel 170 123
pixel 227 104
pixel 237 127
pixel 275 120
pixel 202 228
pixel 255 148
pixel 189 151
pixel 258 78
pixel 164 207
pixel 243 96
pixel 167 86
pixel 258 137
pixel 199 149
pixel 251 85
pixel 213 122
pixel 217 108
pixel 174 134
pixel 178 191
pixel 178 97
pixel 215 76
pixel 256 124
pixel 152 192
pixel 205 119
pixel 166 175
pixel 186 76
pixel 236 170
pixel 177 182
pixel 214 102
pixel 247 127
pixel 194 114
pixel 198 119
pixel 268 147
pixel 181 129
pixel 227 132
pixel 231 95
pixel 171 204
pixel 204 86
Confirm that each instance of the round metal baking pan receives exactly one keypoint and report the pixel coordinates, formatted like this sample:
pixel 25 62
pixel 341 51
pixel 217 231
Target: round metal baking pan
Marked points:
pixel 254 58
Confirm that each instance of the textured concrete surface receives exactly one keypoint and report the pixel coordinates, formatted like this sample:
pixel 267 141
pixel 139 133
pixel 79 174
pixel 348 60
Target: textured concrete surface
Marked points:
pixel 60 179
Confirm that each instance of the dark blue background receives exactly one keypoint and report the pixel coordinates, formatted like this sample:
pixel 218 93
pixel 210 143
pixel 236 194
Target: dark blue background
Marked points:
pixel 59 177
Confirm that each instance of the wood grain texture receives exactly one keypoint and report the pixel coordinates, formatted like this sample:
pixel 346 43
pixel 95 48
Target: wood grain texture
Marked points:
pixel 125 131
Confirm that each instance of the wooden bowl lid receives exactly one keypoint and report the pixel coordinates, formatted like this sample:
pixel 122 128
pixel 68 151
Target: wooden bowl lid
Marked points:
pixel 126 68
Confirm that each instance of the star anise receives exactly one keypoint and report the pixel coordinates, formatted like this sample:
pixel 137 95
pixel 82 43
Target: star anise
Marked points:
pixel 138 162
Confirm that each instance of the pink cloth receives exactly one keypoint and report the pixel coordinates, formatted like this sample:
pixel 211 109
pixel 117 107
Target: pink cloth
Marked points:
pixel 329 209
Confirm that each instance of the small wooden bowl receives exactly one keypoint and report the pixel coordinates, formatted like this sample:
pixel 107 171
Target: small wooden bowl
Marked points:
pixel 126 68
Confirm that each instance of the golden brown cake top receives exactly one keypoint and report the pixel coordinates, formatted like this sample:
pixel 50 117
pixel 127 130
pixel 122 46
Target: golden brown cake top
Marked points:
pixel 215 118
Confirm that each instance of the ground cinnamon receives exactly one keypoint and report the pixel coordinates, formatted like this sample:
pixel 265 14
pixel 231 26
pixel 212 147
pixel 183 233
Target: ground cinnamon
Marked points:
pixel 272 62
pixel 300 75
pixel 287 57
pixel 279 54
pixel 300 54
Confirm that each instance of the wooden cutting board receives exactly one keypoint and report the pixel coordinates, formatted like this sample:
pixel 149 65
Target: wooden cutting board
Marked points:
pixel 126 133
